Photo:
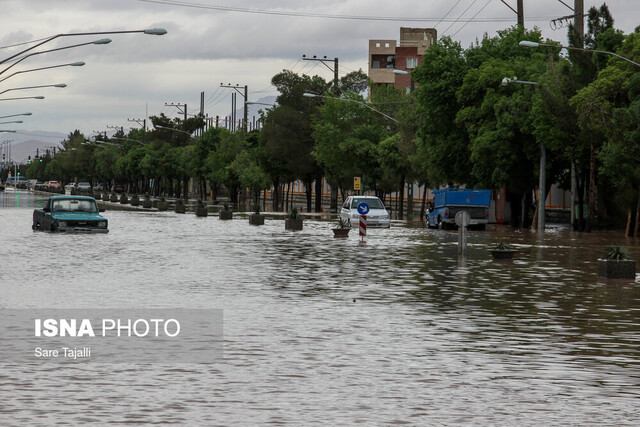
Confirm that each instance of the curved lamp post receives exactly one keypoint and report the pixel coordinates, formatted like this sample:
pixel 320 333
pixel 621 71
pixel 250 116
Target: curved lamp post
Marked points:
pixel 151 31
pixel 15 115
pixel 313 95
pixel 19 60
pixel 527 43
pixel 128 139
pixel 22 97
pixel 542 183
pixel 72 64
pixel 412 86
pixel 61 85
pixel 173 129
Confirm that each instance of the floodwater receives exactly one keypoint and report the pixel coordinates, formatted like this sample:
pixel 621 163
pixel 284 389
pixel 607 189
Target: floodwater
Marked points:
pixel 322 331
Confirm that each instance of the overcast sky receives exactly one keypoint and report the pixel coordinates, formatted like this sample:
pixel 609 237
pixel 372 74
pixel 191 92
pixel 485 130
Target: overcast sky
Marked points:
pixel 207 45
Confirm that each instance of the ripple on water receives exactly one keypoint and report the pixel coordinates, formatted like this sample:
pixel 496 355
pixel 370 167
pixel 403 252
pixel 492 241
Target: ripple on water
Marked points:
pixel 323 331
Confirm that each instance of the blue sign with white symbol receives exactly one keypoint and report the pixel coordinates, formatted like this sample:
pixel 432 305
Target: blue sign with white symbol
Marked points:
pixel 363 208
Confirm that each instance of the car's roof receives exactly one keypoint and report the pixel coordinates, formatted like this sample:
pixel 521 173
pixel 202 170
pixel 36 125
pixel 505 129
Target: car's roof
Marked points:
pixel 72 197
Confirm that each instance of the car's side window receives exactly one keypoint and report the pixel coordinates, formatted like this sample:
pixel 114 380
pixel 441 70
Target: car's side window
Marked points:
pixel 346 204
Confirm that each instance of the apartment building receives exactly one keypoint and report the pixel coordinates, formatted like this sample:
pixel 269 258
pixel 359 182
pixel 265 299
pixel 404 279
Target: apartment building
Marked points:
pixel 388 55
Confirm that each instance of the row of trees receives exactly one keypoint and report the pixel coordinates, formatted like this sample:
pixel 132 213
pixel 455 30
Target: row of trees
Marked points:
pixel 584 111
pixel 460 127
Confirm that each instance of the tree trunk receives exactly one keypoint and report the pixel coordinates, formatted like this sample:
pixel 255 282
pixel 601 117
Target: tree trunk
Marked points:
pixel 592 190
pixel 636 230
pixel 185 188
pixel 401 208
pixel 308 191
pixel 410 199
pixel 287 197
pixel 424 202
pixel 274 196
pixel 318 193
pixel 580 184
pixel 627 230
pixel 534 222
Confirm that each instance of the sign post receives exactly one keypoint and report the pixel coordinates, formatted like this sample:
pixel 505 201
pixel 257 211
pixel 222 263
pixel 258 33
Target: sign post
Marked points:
pixel 363 210
pixel 463 219
pixel 356 183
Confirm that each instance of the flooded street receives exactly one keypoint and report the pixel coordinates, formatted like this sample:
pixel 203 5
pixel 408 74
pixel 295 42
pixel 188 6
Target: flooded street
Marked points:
pixel 320 330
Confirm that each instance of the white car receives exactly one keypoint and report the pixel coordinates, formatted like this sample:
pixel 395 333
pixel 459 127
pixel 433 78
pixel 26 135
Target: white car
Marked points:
pixel 84 186
pixel 378 217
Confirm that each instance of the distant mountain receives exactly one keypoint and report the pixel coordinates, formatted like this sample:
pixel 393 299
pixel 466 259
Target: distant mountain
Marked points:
pixel 28 143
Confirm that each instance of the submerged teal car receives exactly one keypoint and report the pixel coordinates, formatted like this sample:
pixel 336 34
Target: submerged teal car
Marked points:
pixel 70 214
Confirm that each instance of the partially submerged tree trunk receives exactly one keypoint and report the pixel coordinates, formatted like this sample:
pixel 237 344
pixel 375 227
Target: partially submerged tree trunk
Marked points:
pixel 424 203
pixel 636 230
pixel 401 207
pixel 627 230
pixel 592 190
pixel 308 190
pixel 318 193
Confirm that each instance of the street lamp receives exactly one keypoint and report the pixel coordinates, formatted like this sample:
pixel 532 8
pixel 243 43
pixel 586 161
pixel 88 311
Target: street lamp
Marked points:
pixel 128 139
pixel 22 97
pixel 258 103
pixel 19 60
pixel 527 43
pixel 406 73
pixel 313 95
pixel 15 115
pixel 60 85
pixel 507 81
pixel 151 31
pixel 72 64
pixel 542 182
pixel 173 129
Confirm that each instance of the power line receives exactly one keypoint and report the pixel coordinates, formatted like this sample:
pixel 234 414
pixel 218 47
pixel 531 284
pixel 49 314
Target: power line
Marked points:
pixel 458 18
pixel 481 9
pixel 447 14
pixel 319 15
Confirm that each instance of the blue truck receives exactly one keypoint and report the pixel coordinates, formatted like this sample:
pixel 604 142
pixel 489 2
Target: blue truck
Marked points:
pixel 449 201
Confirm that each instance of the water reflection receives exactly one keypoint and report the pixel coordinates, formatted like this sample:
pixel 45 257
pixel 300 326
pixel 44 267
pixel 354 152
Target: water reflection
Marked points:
pixel 431 338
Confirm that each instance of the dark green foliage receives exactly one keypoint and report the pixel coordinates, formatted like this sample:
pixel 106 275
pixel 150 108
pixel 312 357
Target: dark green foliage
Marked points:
pixel 616 253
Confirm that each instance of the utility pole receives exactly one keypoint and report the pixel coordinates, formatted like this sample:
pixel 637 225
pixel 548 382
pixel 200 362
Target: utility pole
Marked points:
pixel 519 12
pixel 325 61
pixel 333 204
pixel 179 106
pixel 141 122
pixel 116 128
pixel 246 98
pixel 578 9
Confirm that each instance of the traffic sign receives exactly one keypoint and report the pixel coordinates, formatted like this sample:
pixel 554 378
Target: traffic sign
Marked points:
pixel 363 208
pixel 356 183
pixel 463 219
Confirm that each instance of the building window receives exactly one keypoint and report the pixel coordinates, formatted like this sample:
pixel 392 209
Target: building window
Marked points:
pixel 378 44
pixel 412 62
pixel 375 64
pixel 386 45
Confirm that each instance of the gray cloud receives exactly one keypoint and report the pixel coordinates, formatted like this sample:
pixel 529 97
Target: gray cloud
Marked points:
pixel 206 47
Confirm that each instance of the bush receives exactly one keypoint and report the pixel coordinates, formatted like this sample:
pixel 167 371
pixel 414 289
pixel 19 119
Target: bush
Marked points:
pixel 616 253
pixel 294 213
